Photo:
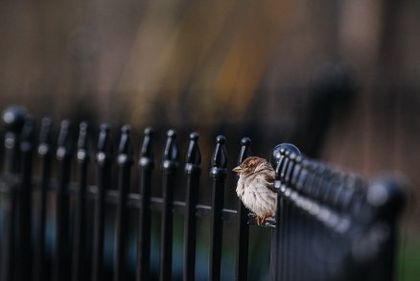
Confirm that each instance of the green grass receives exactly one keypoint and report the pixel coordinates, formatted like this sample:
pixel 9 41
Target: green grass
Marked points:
pixel 409 260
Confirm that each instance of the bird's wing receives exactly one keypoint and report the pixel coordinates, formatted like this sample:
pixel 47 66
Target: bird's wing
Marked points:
pixel 269 178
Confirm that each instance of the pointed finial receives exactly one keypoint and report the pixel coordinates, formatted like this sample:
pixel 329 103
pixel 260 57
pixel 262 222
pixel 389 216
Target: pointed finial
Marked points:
pixel 14 118
pixel 104 146
pixel 245 151
pixel 124 147
pixel 64 140
pixel 219 159
pixel 170 154
pixel 193 154
pixel 45 136
pixel 146 152
pixel 82 142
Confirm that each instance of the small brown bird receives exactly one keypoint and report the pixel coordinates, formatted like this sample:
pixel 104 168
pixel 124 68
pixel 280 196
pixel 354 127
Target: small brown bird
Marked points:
pixel 255 187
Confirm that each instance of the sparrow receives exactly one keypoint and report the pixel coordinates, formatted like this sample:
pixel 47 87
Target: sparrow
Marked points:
pixel 255 187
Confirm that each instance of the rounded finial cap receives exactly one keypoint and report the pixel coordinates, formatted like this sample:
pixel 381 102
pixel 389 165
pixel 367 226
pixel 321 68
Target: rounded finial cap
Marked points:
pixel 281 149
pixel 246 141
pixel 221 139
pixel 14 118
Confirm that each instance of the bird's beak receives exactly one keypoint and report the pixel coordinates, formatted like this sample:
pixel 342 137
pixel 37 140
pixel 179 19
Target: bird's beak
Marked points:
pixel 237 169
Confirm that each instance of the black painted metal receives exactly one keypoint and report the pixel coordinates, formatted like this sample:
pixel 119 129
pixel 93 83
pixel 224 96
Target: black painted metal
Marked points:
pixel 124 161
pixel 62 231
pixel 79 270
pixel 192 171
pixel 146 165
pixel 348 237
pixel 241 273
pixel 13 120
pixel 24 221
pixel 103 179
pixel 330 225
pixel 218 176
pixel 45 155
pixel 169 165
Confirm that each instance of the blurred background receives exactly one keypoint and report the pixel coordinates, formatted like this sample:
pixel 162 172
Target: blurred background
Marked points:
pixel 341 79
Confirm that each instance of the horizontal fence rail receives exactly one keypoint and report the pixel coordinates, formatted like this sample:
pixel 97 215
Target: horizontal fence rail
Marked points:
pixel 329 225
pixel 332 225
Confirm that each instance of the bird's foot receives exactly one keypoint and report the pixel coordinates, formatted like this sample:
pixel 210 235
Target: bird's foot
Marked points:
pixel 261 220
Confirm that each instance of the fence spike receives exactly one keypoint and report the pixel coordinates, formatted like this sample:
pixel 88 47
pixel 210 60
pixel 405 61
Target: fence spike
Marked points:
pixel 82 142
pixel 124 146
pixel 104 141
pixel 192 170
pixel 241 273
pixel 245 151
pixel 146 164
pixel 44 152
pixel 219 159
pixel 193 153
pixel 169 164
pixel 79 243
pixel 218 176
pixel 146 147
pixel 64 145
pixel 62 249
pixel 170 154
pixel 103 179
pixel 124 161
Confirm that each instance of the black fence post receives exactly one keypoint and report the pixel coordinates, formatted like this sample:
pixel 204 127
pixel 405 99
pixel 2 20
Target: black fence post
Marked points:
pixel 387 199
pixel 218 176
pixel 279 251
pixel 13 120
pixel 45 155
pixel 79 233
pixel 62 249
pixel 146 165
pixel 24 219
pixel 192 170
pixel 243 228
pixel 103 180
pixel 124 161
pixel 169 165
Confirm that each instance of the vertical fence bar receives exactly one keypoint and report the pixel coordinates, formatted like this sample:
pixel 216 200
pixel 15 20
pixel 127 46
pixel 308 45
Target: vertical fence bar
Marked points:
pixel 124 161
pixel 294 218
pixel 79 245
pixel 103 179
pixel 281 235
pixel 276 248
pixel 287 223
pixel 24 238
pixel 62 261
pixel 300 248
pixel 169 165
pixel 243 228
pixel 192 170
pixel 44 153
pixel 218 176
pixel 146 165
pixel 13 120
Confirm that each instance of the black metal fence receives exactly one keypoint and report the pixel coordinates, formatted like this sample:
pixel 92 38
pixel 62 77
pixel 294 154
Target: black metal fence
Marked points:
pixel 330 225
